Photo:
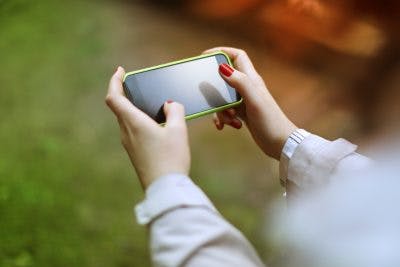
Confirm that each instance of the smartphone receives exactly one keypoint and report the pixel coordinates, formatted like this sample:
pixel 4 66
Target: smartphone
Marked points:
pixel 194 82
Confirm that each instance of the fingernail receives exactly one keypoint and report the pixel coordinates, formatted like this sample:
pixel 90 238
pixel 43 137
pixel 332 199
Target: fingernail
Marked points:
pixel 169 101
pixel 226 70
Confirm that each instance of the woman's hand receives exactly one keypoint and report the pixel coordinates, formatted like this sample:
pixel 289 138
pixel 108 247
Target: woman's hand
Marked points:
pixel 154 150
pixel 266 122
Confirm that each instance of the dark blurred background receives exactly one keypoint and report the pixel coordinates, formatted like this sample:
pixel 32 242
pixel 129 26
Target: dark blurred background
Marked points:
pixel 67 188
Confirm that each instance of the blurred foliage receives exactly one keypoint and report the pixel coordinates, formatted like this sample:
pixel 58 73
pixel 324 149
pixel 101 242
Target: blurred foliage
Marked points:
pixel 66 186
pixel 64 197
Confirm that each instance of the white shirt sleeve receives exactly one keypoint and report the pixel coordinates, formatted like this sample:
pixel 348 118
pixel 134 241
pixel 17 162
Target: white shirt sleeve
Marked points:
pixel 314 160
pixel 187 230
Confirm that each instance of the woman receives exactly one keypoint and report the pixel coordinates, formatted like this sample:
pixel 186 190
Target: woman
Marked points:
pixel 185 228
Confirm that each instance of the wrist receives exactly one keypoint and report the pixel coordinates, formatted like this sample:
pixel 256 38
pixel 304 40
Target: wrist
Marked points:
pixel 279 142
pixel 147 179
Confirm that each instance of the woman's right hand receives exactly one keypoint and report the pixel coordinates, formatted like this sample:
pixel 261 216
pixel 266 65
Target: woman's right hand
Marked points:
pixel 266 122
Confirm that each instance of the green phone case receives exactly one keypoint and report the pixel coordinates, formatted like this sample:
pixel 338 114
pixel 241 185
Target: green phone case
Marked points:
pixel 194 115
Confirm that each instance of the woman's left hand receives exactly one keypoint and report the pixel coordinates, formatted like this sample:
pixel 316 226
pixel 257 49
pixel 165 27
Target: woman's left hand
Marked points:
pixel 154 150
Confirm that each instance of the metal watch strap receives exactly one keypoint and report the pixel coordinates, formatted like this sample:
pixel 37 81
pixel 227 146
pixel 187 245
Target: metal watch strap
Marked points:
pixel 290 146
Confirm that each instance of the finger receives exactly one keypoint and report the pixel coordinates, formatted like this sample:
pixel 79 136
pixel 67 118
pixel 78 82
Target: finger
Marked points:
pixel 236 123
pixel 236 112
pixel 218 124
pixel 175 114
pixel 224 117
pixel 231 119
pixel 120 105
pixel 115 98
pixel 239 58
pixel 231 112
pixel 241 112
pixel 238 80
pixel 227 117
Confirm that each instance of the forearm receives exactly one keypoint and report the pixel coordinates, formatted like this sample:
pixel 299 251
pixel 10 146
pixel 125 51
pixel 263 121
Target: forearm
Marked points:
pixel 186 229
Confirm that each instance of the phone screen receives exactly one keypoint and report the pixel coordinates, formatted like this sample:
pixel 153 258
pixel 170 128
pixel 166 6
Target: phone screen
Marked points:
pixel 196 84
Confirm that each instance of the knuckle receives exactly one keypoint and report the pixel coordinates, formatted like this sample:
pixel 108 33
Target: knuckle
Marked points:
pixel 242 52
pixel 136 126
pixel 109 99
pixel 181 108
pixel 177 126
pixel 242 78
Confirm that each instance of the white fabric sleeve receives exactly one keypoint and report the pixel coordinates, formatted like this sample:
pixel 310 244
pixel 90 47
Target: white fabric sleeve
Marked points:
pixel 186 229
pixel 315 160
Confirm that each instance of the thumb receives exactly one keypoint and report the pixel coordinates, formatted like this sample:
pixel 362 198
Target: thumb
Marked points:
pixel 238 80
pixel 175 114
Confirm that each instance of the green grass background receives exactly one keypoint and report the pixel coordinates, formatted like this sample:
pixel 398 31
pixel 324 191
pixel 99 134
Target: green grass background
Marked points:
pixel 67 188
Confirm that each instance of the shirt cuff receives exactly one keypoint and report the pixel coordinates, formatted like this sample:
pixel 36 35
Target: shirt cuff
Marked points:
pixel 167 193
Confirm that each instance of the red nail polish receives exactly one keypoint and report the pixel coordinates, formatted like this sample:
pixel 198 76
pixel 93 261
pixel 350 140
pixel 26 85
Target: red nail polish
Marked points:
pixel 169 101
pixel 226 70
